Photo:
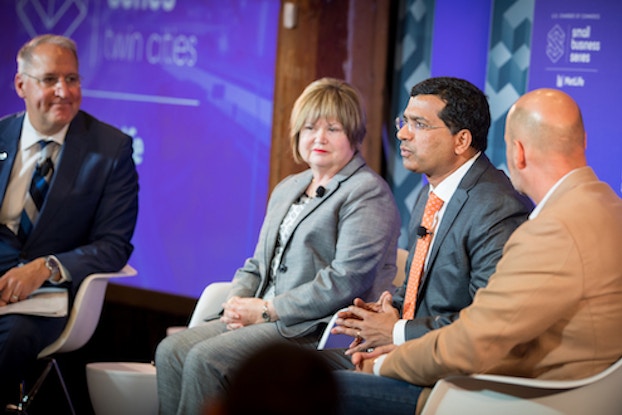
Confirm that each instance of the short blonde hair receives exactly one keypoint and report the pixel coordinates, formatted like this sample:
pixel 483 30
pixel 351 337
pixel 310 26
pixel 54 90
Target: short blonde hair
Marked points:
pixel 328 98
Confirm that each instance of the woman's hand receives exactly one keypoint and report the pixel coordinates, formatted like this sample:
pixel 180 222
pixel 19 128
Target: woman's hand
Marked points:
pixel 240 312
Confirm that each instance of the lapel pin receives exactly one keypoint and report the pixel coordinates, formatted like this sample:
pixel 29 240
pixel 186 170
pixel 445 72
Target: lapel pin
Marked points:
pixel 3 155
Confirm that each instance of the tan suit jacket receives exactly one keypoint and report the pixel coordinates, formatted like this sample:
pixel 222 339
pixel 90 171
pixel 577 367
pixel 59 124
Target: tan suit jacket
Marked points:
pixel 552 309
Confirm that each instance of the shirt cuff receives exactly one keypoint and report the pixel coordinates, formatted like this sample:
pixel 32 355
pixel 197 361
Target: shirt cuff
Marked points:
pixel 378 363
pixel 64 274
pixel 399 332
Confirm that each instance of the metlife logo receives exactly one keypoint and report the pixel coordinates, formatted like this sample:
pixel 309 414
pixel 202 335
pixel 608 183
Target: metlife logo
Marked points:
pixel 571 81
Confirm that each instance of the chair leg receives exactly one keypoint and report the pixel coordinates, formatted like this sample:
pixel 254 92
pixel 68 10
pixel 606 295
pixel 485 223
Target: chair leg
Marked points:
pixel 26 400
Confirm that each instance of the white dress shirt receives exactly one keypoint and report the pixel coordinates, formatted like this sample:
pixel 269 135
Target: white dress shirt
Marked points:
pixel 444 190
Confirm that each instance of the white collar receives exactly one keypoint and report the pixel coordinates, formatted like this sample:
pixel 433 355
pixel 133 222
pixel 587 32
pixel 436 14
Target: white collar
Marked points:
pixel 446 189
pixel 30 136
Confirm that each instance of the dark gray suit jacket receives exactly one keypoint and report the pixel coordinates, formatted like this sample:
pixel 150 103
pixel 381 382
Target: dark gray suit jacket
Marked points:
pixel 480 217
pixel 343 246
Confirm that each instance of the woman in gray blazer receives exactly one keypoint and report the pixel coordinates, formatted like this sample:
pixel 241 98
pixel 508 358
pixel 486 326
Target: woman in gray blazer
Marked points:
pixel 329 235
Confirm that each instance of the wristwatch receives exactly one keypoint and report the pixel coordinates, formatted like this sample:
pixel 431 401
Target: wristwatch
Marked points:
pixel 52 264
pixel 264 313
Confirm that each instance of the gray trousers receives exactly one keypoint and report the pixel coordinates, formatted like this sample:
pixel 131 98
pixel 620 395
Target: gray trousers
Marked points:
pixel 195 366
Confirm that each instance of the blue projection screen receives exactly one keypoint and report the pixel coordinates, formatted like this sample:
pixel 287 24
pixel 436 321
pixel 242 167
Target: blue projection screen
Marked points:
pixel 192 82
pixel 576 47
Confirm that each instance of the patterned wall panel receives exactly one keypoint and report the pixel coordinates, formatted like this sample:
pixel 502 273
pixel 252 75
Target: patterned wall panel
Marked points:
pixel 412 65
pixel 506 79
pixel 508 65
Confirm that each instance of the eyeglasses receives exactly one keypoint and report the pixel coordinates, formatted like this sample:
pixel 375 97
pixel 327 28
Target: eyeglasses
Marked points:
pixel 414 125
pixel 50 81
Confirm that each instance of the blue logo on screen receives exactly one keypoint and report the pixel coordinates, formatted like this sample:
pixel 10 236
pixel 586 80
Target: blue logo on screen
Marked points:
pixel 555 43
pixel 62 17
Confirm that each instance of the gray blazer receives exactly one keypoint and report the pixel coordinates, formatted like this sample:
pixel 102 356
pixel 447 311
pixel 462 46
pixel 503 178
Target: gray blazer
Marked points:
pixel 480 217
pixel 343 246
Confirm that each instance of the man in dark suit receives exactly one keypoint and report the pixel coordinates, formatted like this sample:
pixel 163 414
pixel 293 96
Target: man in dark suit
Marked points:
pixel 88 213
pixel 443 135
pixel 552 308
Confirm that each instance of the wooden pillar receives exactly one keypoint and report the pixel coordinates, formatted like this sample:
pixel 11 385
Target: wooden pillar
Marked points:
pixel 345 39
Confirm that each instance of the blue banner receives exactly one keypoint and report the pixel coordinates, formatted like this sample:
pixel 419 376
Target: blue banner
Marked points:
pixel 192 82
pixel 576 47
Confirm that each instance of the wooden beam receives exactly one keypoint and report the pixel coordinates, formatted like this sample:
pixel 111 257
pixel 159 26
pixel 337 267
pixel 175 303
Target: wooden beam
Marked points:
pixel 344 39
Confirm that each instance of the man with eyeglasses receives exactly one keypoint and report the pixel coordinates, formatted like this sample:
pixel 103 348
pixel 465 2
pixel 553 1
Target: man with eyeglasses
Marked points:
pixel 68 199
pixel 443 135
pixel 552 308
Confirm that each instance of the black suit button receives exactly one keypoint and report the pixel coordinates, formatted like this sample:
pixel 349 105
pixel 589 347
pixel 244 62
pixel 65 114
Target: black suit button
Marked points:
pixel 283 268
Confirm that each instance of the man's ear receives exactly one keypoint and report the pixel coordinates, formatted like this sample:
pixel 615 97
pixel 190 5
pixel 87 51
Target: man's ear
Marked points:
pixel 463 141
pixel 18 81
pixel 520 160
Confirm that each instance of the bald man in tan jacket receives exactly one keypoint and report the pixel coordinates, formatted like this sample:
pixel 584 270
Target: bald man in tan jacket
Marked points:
pixel 553 308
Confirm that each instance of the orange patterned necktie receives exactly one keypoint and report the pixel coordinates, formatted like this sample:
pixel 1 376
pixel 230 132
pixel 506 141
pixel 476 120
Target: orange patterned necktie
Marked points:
pixel 432 207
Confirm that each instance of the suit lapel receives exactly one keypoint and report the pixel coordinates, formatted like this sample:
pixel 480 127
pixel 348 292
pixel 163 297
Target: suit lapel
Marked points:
pixel 274 220
pixel 9 140
pixel 68 166
pixel 349 169
pixel 455 205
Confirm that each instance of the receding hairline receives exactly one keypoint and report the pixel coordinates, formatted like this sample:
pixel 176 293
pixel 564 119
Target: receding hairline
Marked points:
pixel 25 54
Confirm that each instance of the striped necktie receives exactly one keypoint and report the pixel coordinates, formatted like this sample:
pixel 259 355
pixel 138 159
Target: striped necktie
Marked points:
pixel 38 189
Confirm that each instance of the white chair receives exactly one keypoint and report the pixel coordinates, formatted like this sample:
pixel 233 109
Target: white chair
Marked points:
pixel 493 394
pixel 212 297
pixel 210 302
pixel 128 388
pixel 120 388
pixel 82 322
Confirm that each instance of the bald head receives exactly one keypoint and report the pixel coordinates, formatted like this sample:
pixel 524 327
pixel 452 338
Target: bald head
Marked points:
pixel 545 139
pixel 550 120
